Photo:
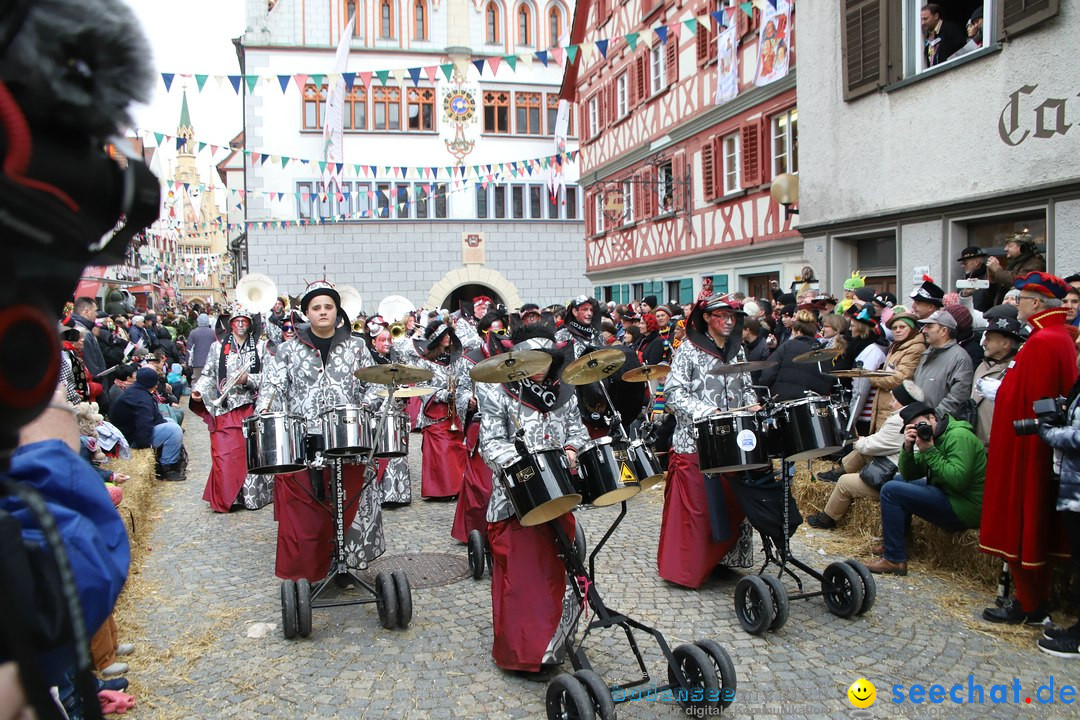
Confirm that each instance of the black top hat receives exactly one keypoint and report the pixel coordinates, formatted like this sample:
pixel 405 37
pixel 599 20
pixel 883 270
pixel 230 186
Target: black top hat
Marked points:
pixel 970 253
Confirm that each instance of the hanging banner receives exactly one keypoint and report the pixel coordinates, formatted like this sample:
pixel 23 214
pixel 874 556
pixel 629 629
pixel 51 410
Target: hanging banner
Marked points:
pixel 333 127
pixel 727 74
pixel 562 126
pixel 774 43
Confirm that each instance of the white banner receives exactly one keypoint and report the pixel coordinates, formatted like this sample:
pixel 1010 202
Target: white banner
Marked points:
pixel 333 123
pixel 774 44
pixel 727 72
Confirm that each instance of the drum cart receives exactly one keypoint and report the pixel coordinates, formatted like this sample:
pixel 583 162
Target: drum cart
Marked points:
pixel 390 592
pixel 701 675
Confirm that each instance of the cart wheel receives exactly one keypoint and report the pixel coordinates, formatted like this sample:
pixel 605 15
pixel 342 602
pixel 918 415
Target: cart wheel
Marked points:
pixel 567 698
pixel 476 554
pixel 303 607
pixel 753 604
pixel 869 585
pixel 843 589
pixel 725 669
pixel 404 597
pixel 603 705
pixel 579 541
pixel 386 600
pixel 779 599
pixel 700 674
pixel 288 609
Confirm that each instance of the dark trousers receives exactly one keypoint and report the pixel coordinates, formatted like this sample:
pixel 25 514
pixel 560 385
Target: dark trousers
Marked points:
pixel 900 500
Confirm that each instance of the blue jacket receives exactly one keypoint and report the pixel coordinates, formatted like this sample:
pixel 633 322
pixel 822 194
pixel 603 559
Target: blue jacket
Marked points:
pixel 1066 441
pixel 135 414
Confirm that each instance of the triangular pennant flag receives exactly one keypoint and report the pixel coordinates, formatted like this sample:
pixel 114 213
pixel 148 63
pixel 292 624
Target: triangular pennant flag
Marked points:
pixel 200 146
pixel 399 76
pixel 542 56
pixel 365 79
pixel 587 49
pixel 747 7
pixel 557 54
pixel 383 76
pixel 511 60
pixel 158 137
pixel 322 166
pixel 631 40
pixel 350 80
pixel 571 53
pixel 601 45
pixel 493 63
pixel 414 73
pixel 430 71
pixel 181 142
pixel 284 161
pixel 252 81
pixel 718 16
pixel 691 25
pixel 447 70
pixel 234 80
pixel 661 32
pixel 317 80
pixel 283 81
pixel 773 3
pixel 200 80
pixel 479 65
pixel 167 78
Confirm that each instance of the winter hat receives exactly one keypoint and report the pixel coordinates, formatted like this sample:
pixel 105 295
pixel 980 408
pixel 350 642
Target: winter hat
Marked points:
pixel 651 324
pixel 914 410
pixel 650 300
pixel 866 294
pixel 963 320
pixel 203 320
pixel 147 377
pixel 854 282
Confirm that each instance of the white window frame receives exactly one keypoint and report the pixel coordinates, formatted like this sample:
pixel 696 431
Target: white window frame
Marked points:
pixel 914 54
pixel 657 68
pixel 622 87
pixel 781 134
pixel 665 184
pixel 628 201
pixel 594 116
pixel 598 212
pixel 731 163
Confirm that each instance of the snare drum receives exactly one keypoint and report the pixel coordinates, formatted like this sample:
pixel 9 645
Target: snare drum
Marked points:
pixel 731 442
pixel 393 441
pixel 807 428
pixel 539 486
pixel 606 474
pixel 643 462
pixel 275 443
pixel 347 431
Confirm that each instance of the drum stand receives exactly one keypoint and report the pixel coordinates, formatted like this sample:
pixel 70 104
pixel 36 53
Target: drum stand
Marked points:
pixel 762 601
pixel 391 592
pixel 700 674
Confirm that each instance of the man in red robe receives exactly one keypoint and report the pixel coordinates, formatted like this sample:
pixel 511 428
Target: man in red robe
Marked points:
pixel 1019 523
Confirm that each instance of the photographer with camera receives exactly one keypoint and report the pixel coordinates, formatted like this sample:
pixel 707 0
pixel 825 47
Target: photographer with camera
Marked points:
pixel 1019 523
pixel 942 468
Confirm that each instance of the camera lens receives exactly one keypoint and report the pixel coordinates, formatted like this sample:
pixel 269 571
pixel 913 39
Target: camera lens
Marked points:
pixel 1027 426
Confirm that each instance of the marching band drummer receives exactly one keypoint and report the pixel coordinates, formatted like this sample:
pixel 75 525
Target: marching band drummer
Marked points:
pixel 393 473
pixel 531 604
pixel 443 412
pixel 311 374
pixel 703 524
pixel 471 512
pixel 237 354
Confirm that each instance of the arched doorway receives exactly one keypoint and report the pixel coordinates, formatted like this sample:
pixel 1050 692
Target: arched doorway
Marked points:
pixel 466 293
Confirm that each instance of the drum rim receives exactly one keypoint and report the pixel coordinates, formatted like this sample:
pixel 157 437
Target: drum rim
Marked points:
pixel 732 413
pixel 530 519
pixel 805 401
pixel 631 488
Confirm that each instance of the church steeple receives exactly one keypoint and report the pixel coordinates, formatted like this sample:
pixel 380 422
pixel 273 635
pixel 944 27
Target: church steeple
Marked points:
pixel 184 129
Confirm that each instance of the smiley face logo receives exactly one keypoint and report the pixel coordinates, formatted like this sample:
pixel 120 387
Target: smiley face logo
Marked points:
pixel 862 693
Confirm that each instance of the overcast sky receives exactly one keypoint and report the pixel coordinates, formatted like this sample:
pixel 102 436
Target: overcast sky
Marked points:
pixel 192 36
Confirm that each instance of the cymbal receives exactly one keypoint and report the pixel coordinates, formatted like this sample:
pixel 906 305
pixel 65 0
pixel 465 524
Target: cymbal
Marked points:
pixel 743 367
pixel 593 367
pixel 510 366
pixel 409 392
pixel 646 373
pixel 393 374
pixel 860 373
pixel 819 355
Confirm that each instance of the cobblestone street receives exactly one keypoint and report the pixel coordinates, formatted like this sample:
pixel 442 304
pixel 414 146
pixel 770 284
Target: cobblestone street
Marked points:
pixel 211 578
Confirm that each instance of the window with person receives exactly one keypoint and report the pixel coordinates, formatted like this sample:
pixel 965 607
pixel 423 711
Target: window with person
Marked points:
pixel 665 188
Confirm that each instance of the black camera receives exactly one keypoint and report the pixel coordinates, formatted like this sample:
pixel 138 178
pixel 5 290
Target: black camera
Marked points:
pixel 1047 411
pixel 924 431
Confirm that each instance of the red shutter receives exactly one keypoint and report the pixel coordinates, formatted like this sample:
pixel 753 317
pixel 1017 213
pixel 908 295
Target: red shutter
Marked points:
pixel 631 85
pixel 590 209
pixel 642 77
pixel 583 120
pixel 672 60
pixel 703 38
pixel 649 177
pixel 743 22
pixel 613 101
pixel 766 146
pixel 708 170
pixel 751 155
pixel 638 182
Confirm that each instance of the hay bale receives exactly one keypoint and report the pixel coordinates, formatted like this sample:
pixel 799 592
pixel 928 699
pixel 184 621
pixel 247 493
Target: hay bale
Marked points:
pixel 139 509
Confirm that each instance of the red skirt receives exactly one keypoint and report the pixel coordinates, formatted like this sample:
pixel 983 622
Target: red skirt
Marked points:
pixel 305 542
pixel 444 457
pixel 687 552
pixel 528 582
pixel 228 454
pixel 471 513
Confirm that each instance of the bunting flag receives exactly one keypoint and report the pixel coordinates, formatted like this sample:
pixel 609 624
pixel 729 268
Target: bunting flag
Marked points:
pixel 334 122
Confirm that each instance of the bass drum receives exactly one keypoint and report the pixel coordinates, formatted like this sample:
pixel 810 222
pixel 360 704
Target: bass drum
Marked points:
pixel 606 475
pixel 275 443
pixel 731 442
pixel 539 486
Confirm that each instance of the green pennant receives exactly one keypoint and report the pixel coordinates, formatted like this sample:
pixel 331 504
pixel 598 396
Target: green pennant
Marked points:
pixel 252 81
pixel 284 161
pixel 691 25
pixel 356 170
pixel 448 70
pixel 511 60
pixel 322 166
pixel 317 80
pixel 631 40
pixel 200 80
pixel 571 53
pixel 159 137
pixel 748 8
pixel 201 146
pixel 383 76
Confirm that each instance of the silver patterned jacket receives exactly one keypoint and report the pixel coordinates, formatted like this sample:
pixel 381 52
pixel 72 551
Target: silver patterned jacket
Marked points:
pixel 296 377
pixel 441 374
pixel 466 331
pixel 559 428
pixel 582 344
pixel 209 384
pixel 694 390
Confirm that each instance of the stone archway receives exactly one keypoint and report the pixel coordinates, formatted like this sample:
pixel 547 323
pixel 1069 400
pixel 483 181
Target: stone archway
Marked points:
pixel 473 275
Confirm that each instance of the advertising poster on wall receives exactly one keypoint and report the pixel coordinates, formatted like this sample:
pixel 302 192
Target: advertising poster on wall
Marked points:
pixel 774 45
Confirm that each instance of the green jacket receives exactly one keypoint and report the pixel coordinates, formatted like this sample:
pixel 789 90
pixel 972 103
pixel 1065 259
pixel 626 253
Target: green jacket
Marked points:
pixel 956 464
